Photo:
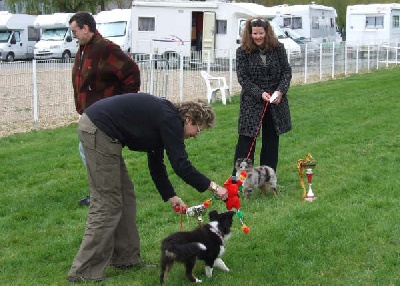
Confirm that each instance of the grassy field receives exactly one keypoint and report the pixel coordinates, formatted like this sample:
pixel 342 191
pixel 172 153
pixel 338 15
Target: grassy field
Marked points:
pixel 348 236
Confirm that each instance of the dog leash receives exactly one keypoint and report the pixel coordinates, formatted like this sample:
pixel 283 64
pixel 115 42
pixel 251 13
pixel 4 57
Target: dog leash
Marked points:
pixel 258 130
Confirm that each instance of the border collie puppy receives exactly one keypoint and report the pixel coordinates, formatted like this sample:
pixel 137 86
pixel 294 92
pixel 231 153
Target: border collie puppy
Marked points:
pixel 206 243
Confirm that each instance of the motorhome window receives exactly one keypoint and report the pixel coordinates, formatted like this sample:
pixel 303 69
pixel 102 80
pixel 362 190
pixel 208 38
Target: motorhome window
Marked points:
pixel 112 29
pixel 17 37
pixel 396 21
pixel 293 23
pixel 146 24
pixel 242 24
pixel 54 34
pixel 4 35
pixel 33 34
pixel 374 22
pixel 221 27
pixel 315 23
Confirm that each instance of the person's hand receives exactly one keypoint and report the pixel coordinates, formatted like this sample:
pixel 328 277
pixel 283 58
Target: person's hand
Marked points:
pixel 177 203
pixel 265 96
pixel 278 97
pixel 222 193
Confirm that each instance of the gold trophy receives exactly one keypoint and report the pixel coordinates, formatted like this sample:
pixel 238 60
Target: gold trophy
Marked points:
pixel 307 163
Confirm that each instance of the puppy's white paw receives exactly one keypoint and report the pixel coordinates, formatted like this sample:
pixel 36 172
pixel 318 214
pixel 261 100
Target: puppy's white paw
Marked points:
pixel 219 263
pixel 209 271
pixel 198 281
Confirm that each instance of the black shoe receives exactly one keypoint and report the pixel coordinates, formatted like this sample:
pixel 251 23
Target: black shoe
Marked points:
pixel 85 201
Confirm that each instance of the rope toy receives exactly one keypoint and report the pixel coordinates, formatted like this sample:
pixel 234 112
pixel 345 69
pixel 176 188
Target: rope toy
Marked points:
pixel 233 201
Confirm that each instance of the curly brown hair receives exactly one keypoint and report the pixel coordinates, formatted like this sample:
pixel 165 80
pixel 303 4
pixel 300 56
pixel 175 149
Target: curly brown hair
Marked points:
pixel 270 43
pixel 200 112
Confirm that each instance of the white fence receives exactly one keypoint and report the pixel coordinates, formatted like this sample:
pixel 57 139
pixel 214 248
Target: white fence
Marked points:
pixel 39 94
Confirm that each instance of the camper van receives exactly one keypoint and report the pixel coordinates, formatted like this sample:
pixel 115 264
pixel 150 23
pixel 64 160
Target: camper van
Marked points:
pixel 171 29
pixel 314 22
pixel 373 23
pixel 115 25
pixel 17 36
pixel 57 41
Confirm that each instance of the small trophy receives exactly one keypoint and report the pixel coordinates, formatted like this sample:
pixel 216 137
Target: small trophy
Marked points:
pixel 310 195
pixel 307 163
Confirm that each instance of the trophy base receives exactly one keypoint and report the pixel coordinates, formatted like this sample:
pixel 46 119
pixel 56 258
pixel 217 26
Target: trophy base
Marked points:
pixel 310 199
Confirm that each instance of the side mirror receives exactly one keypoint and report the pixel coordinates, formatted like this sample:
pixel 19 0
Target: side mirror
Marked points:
pixel 13 41
pixel 68 39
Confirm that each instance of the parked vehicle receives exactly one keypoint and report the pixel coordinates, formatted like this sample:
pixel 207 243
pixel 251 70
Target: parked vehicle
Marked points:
pixel 174 29
pixel 57 41
pixel 17 36
pixel 314 22
pixel 115 25
pixel 369 27
pixel 303 41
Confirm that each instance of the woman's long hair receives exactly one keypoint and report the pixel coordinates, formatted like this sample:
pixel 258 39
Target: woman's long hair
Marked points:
pixel 270 43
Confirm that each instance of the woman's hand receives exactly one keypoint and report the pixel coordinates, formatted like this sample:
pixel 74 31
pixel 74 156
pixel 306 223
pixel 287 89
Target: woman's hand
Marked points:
pixel 267 97
pixel 221 193
pixel 176 202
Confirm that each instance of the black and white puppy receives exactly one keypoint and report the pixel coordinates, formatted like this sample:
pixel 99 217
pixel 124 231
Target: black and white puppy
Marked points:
pixel 206 243
pixel 262 177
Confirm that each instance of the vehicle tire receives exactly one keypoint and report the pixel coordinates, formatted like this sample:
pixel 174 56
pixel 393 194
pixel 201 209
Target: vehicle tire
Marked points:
pixel 10 57
pixel 173 60
pixel 66 56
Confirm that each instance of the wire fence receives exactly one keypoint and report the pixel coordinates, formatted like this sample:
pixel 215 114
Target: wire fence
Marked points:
pixel 38 94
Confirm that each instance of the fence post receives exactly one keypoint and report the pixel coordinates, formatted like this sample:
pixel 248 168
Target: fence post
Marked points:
pixel 305 63
pixel 333 60
pixel 230 70
pixel 320 61
pixel 35 96
pixel 181 78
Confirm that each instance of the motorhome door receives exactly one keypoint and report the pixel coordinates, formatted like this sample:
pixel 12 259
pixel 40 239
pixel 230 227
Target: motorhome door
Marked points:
pixel 208 31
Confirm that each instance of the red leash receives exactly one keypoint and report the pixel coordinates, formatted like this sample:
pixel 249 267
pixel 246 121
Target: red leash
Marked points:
pixel 258 130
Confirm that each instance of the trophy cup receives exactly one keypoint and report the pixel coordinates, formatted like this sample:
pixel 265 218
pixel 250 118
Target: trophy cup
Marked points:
pixel 310 195
pixel 307 163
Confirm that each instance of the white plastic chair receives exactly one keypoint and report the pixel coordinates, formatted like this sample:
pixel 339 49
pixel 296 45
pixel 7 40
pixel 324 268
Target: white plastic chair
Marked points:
pixel 213 85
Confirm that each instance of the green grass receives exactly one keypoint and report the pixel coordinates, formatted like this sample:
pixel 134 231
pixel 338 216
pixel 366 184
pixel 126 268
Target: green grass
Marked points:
pixel 348 236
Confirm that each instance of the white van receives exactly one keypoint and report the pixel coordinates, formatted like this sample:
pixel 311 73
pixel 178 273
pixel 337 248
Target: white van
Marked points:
pixel 314 22
pixel 57 41
pixel 115 25
pixel 17 36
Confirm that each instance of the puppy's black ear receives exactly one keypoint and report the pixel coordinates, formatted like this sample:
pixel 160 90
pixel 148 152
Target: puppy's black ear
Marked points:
pixel 213 215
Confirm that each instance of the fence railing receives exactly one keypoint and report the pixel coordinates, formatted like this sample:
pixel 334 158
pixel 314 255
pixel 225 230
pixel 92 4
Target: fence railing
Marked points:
pixel 38 94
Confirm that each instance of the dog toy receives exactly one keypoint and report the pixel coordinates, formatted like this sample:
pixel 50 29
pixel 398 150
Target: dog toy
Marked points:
pixel 232 185
pixel 198 210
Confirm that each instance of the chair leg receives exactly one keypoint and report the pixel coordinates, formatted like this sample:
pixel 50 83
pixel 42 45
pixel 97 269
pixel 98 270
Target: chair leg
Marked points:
pixel 209 95
pixel 213 96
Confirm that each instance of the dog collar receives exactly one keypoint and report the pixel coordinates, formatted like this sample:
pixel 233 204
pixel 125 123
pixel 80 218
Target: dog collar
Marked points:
pixel 217 232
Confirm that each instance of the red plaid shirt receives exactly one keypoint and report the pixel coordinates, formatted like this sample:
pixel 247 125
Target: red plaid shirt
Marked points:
pixel 101 69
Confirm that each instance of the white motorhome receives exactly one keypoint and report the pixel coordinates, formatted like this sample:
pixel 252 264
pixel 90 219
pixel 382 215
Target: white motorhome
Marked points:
pixel 17 36
pixel 57 41
pixel 172 29
pixel 373 24
pixel 312 21
pixel 115 25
